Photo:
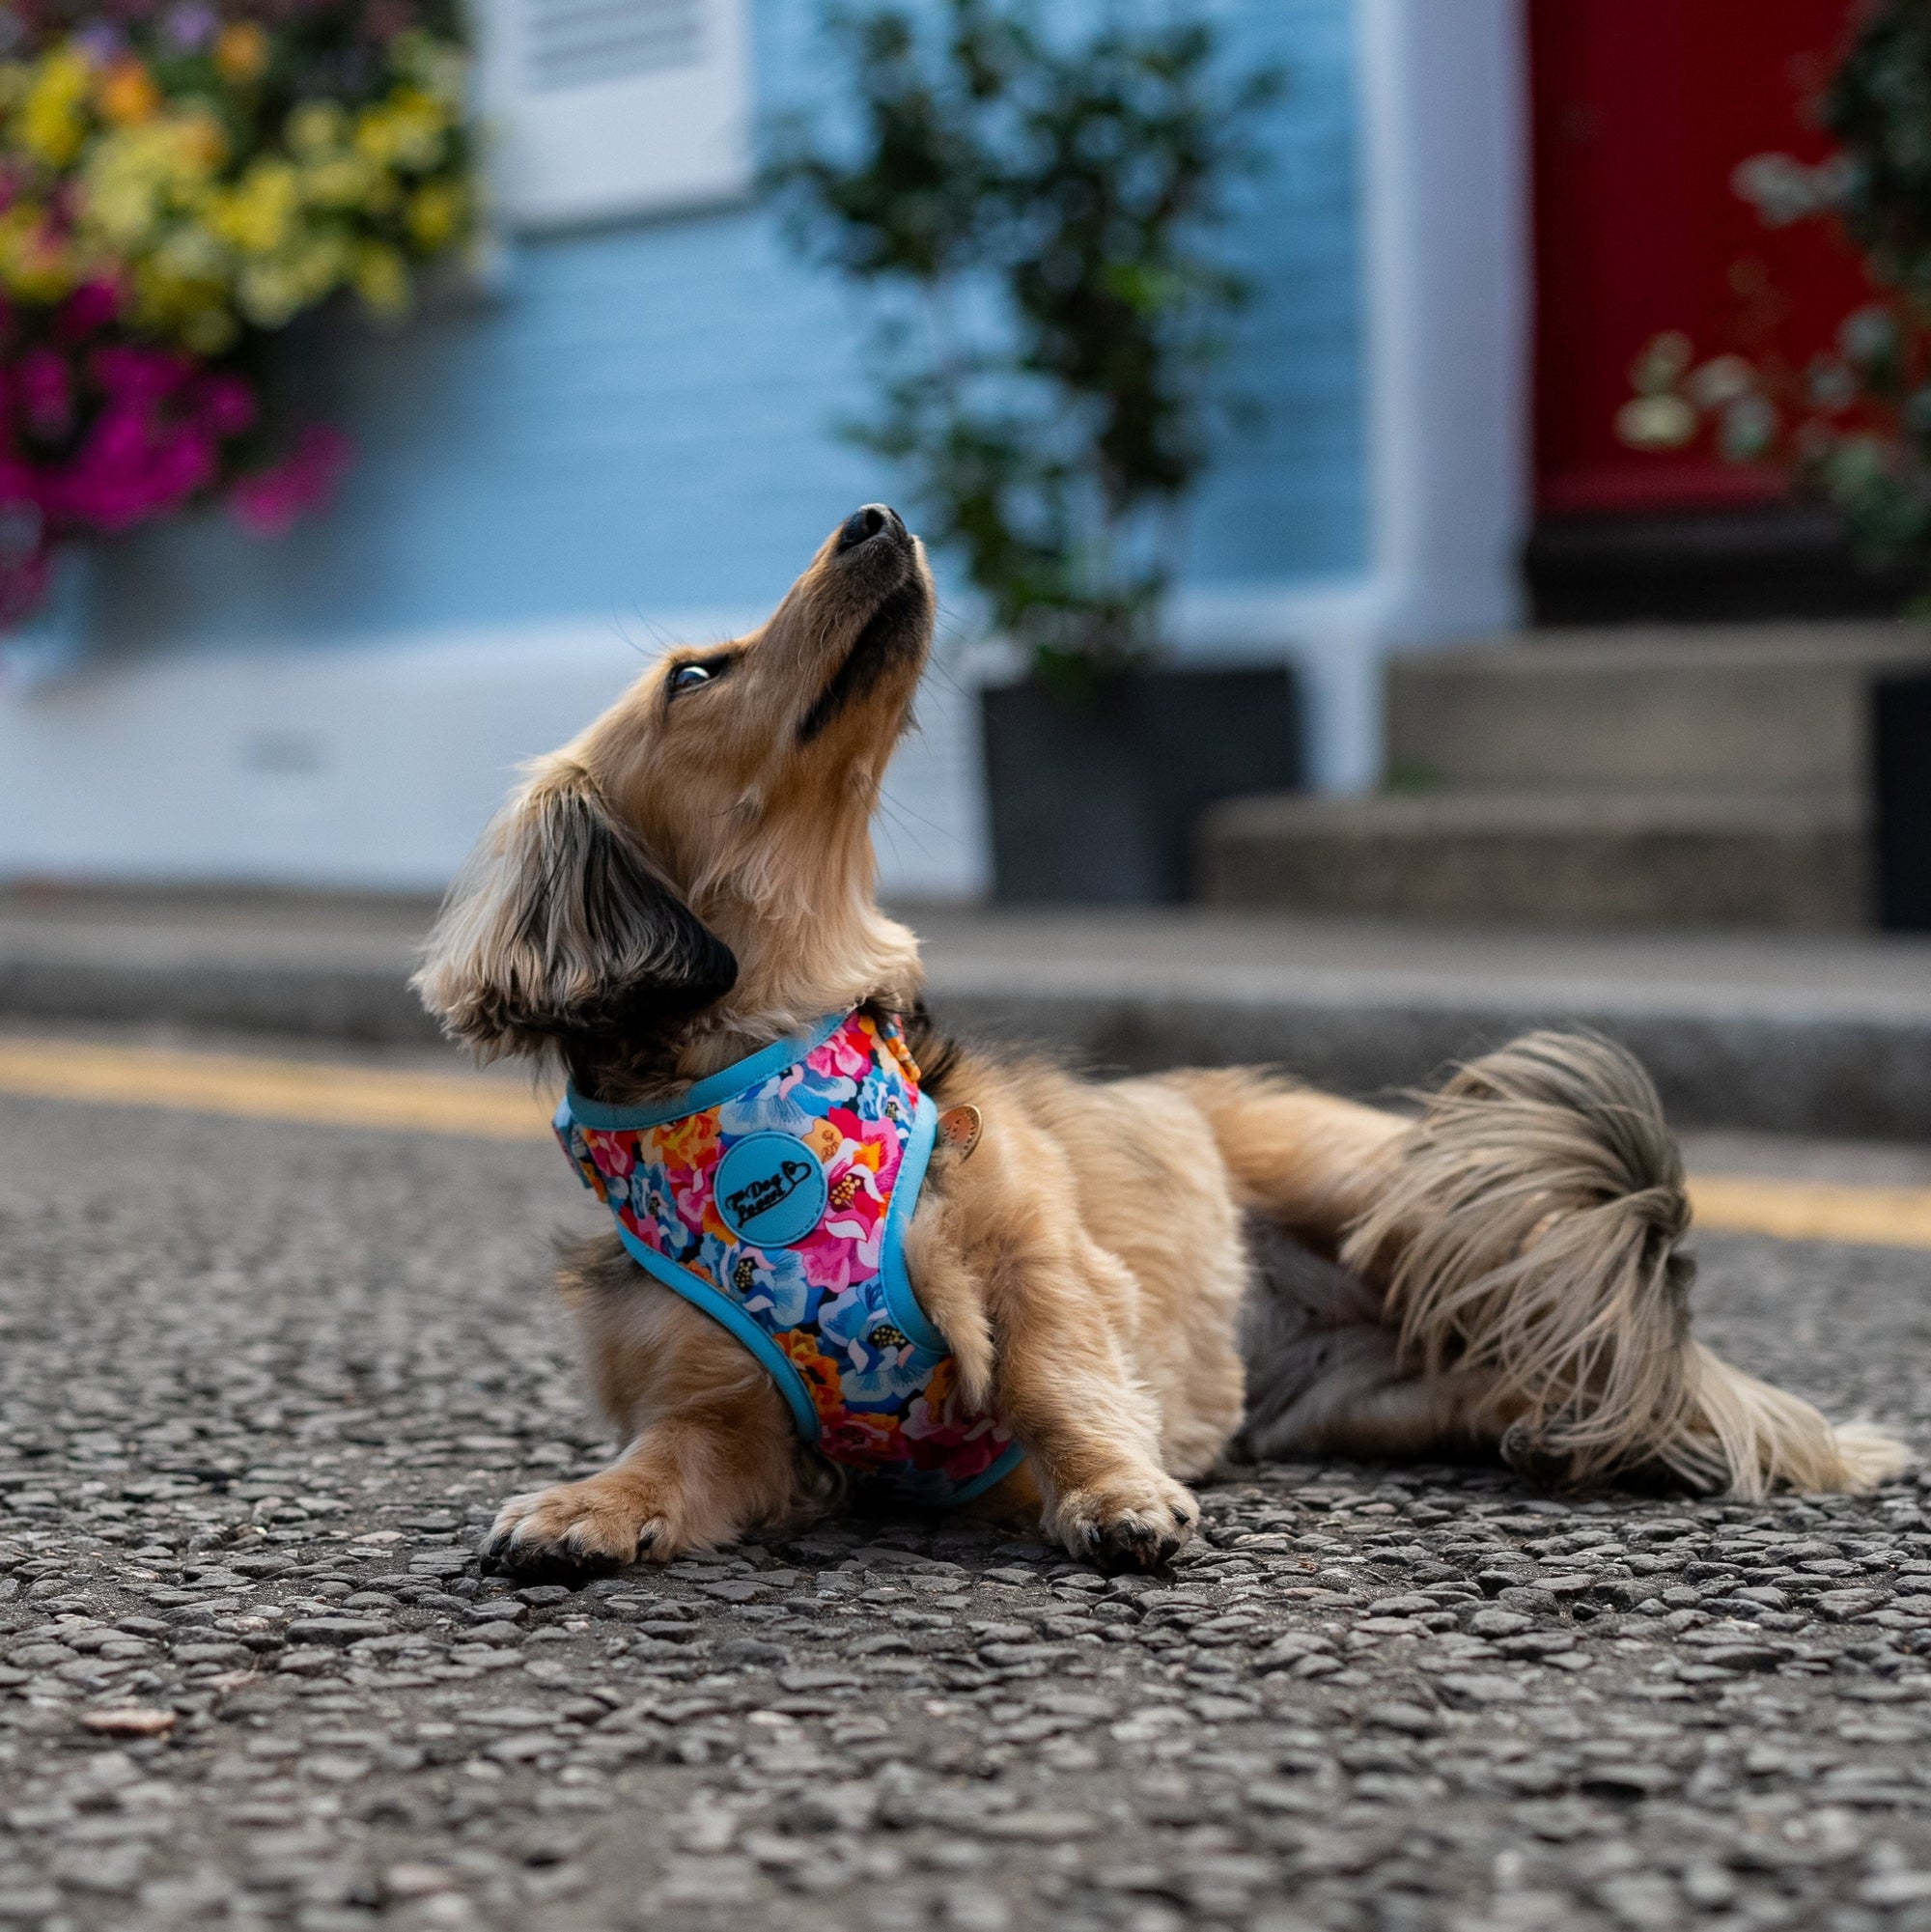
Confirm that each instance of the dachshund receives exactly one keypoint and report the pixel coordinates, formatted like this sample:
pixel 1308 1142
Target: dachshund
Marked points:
pixel 1130 1278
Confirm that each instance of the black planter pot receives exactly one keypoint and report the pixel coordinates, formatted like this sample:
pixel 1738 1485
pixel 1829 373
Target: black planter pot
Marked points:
pixel 1901 742
pixel 1095 800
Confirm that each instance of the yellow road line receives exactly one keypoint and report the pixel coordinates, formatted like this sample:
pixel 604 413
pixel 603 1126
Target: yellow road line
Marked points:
pixel 471 1106
pixel 265 1089
pixel 1812 1210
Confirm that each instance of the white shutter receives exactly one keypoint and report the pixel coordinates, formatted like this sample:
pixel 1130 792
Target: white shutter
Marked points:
pixel 596 109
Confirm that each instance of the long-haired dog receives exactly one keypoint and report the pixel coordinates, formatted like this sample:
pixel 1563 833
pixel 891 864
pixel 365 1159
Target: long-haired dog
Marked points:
pixel 1133 1275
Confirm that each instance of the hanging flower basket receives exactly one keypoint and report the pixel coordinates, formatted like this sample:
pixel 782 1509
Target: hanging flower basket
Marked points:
pixel 178 183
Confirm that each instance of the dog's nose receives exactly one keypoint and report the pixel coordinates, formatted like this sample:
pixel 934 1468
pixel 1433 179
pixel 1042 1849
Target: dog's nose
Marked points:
pixel 864 525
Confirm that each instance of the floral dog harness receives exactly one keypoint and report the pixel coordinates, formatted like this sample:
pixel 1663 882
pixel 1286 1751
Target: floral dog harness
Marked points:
pixel 775 1197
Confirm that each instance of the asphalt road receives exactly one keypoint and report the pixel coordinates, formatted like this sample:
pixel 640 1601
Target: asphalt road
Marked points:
pixel 261 1384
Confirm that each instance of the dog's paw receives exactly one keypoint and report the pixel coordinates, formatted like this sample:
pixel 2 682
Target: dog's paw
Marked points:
pixel 1134 1521
pixel 576 1531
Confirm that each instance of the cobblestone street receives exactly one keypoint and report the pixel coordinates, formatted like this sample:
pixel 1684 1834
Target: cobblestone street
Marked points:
pixel 264 1385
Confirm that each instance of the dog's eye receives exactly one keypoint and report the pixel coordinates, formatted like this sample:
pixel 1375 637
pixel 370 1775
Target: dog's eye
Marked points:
pixel 689 678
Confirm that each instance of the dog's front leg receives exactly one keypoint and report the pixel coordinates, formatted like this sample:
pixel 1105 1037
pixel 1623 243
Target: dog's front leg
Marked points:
pixel 1090 1428
pixel 711 1451
pixel 669 1492
pixel 1038 1317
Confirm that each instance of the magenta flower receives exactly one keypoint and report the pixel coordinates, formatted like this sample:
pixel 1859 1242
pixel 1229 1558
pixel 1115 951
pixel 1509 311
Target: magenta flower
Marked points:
pixel 43 393
pixel 272 501
pixel 90 309
pixel 100 432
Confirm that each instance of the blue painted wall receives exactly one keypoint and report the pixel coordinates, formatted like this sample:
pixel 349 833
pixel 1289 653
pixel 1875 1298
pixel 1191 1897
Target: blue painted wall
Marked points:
pixel 638 420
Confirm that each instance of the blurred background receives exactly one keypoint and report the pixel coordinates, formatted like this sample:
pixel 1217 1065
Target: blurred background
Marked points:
pixel 1402 469
pixel 619 424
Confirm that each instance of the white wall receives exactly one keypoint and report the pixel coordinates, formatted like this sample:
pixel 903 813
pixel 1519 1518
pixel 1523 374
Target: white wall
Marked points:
pixel 1446 181
pixel 372 765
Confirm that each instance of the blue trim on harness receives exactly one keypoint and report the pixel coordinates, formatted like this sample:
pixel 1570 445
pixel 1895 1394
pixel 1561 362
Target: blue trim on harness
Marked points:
pixel 899 1296
pixel 711 1091
pixel 701 1295
pixel 996 1473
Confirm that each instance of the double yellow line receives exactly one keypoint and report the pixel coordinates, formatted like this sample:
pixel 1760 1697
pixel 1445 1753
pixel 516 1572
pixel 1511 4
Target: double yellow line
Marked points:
pixel 247 1086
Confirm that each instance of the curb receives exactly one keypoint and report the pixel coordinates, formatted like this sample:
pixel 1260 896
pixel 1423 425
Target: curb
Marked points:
pixel 1721 1057
pixel 1827 1076
pixel 360 1005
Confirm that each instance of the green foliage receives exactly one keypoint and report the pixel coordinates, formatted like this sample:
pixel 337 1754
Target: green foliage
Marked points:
pixel 1036 208
pixel 1879 105
pixel 1853 425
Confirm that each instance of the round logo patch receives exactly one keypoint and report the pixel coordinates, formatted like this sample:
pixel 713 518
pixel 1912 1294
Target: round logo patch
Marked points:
pixel 771 1189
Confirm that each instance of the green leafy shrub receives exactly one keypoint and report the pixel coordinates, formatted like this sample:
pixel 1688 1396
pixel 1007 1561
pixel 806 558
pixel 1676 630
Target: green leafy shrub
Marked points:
pixel 1036 208
pixel 1854 424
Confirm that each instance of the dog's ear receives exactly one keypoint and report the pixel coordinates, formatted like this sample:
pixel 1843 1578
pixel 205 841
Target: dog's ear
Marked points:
pixel 560 928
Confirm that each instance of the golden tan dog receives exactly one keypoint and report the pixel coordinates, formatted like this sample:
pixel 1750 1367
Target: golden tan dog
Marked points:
pixel 1133 1275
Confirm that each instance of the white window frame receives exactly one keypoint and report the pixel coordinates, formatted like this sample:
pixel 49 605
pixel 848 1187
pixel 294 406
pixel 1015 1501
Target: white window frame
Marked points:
pixel 641 143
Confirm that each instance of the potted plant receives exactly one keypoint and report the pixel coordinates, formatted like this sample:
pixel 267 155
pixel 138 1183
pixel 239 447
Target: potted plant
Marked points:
pixel 1034 207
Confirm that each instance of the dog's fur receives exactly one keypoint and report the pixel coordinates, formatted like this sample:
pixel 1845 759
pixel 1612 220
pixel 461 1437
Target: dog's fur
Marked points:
pixel 1135 1275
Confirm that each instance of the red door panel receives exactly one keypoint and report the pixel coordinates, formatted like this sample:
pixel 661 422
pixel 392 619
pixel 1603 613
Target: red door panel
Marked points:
pixel 1641 110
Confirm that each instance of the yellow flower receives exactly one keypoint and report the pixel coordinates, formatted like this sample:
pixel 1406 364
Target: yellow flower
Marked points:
pixel 405 132
pixel 208 243
pixel 436 66
pixel 383 280
pixel 317 127
pixel 269 294
pixel 208 331
pixel 189 253
pixel 381 194
pixel 436 214
pixel 241 52
pixel 34 263
pixel 53 117
pixel 318 263
pixel 135 178
pixel 202 142
pixel 258 214
pixel 127 94
pixel 192 309
pixel 345 181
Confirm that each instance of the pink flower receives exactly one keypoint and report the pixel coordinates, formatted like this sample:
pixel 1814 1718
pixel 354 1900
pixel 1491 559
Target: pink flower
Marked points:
pixel 225 404
pixel 270 502
pixel 848 1053
pixel 140 376
pixel 612 1152
pixel 89 309
pixel 44 390
pixel 828 1261
pixel 23 588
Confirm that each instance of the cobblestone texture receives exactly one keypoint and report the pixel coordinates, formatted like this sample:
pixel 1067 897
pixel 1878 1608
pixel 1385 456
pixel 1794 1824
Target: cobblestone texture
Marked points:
pixel 260 1386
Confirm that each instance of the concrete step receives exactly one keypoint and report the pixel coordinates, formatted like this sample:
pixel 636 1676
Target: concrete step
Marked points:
pixel 1619 859
pixel 1799 1033
pixel 1756 707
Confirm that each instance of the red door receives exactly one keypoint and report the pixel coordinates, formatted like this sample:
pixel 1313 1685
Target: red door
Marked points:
pixel 1642 109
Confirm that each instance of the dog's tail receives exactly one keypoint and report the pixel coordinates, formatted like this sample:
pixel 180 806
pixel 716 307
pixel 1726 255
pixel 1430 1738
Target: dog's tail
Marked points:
pixel 1750 1438
pixel 1529 1226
